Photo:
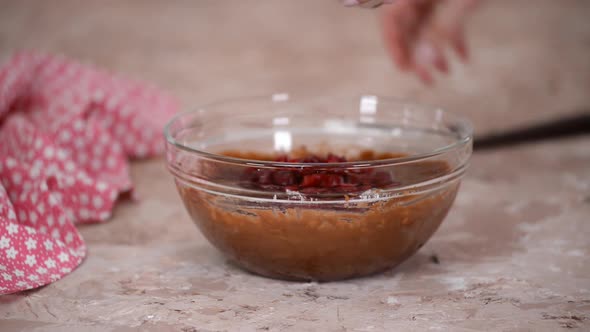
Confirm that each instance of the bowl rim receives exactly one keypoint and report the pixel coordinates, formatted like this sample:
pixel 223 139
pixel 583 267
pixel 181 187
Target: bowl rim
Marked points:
pixel 466 137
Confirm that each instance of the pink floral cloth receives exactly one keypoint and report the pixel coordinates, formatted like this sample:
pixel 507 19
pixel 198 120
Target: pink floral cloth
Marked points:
pixel 66 133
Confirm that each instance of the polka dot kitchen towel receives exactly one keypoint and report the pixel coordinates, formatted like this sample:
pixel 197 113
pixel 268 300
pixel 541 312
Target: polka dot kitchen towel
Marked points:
pixel 66 133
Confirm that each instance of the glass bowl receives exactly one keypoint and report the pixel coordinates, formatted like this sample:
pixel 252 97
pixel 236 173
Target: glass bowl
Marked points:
pixel 418 154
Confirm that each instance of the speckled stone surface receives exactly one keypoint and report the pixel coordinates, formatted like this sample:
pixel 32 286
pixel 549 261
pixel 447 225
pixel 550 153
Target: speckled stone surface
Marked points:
pixel 513 253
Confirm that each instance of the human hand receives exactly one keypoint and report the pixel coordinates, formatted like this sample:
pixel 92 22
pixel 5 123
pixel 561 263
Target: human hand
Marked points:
pixel 416 33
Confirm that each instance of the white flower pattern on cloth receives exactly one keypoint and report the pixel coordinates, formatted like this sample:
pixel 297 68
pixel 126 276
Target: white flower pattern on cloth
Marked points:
pixel 66 135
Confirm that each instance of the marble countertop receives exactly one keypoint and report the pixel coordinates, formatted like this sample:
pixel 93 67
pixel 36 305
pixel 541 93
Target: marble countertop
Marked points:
pixel 512 254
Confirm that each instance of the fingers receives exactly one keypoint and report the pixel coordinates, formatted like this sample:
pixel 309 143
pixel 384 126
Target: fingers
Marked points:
pixel 403 29
pixel 396 36
pixel 396 46
pixel 427 54
pixel 416 38
pixel 453 30
pixel 457 40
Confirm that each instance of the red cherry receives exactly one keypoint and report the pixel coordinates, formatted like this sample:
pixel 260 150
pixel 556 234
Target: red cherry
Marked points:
pixel 313 181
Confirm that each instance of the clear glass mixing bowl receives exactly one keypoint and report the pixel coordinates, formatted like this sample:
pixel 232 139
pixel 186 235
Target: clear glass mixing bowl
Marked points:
pixel 289 234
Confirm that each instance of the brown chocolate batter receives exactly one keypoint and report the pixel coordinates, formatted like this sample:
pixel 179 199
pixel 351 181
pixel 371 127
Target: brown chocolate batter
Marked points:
pixel 304 240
